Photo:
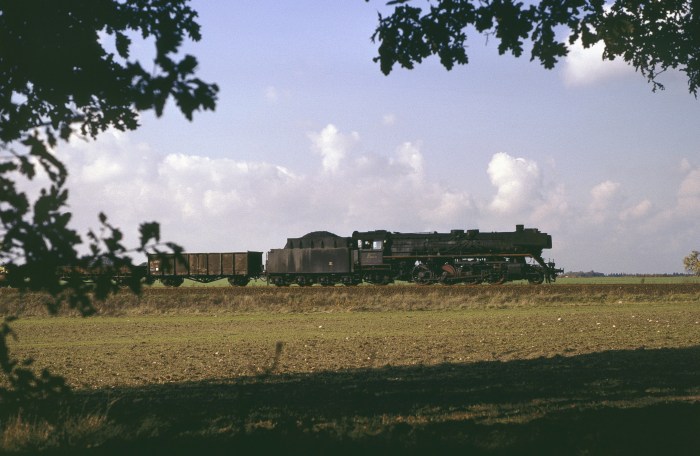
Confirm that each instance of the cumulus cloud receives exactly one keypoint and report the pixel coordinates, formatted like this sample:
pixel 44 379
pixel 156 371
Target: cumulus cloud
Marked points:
pixel 208 203
pixel 608 203
pixel 222 203
pixel 409 155
pixel 518 183
pixel 637 211
pixel 602 194
pixel 586 66
pixel 332 146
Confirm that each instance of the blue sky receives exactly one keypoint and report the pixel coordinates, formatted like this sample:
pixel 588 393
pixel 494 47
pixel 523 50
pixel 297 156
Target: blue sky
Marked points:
pixel 310 135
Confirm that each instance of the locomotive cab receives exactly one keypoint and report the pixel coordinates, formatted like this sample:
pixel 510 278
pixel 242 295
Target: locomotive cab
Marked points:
pixel 372 247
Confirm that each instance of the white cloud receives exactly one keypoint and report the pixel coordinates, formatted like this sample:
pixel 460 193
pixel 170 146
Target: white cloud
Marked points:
pixel 409 155
pixel 604 198
pixel 518 183
pixel 603 193
pixel 637 211
pixel 586 66
pixel 685 165
pixel 332 146
pixel 208 203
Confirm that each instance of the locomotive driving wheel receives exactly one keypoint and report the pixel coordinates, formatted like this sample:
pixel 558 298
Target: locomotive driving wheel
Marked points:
pixel 422 274
pixel 496 278
pixel 536 278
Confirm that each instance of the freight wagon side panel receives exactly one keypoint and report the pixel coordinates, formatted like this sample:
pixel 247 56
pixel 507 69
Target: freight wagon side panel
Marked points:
pixel 214 264
pixel 198 264
pixel 227 264
pixel 207 264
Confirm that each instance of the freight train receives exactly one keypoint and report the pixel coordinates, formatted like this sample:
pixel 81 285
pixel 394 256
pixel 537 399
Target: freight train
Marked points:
pixel 376 257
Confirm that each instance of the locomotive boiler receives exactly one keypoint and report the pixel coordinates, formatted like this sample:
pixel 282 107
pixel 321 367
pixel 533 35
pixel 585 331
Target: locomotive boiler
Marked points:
pixel 382 257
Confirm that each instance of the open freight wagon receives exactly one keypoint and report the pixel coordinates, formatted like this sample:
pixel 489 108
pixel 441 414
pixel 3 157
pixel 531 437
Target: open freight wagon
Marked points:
pixel 238 267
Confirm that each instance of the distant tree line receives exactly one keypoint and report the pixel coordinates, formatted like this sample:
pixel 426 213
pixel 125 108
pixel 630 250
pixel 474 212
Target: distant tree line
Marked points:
pixel 577 274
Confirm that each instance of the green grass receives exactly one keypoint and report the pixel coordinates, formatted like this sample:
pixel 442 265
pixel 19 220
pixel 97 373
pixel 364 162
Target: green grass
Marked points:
pixel 628 280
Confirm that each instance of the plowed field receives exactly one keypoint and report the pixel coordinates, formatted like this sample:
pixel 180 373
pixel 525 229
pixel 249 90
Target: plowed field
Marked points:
pixel 353 365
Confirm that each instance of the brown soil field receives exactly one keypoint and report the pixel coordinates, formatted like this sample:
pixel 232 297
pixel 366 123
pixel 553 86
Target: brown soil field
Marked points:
pixel 493 370
pixel 168 335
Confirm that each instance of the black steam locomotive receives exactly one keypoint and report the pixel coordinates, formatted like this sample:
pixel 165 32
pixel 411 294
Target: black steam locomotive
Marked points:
pixel 376 257
pixel 382 257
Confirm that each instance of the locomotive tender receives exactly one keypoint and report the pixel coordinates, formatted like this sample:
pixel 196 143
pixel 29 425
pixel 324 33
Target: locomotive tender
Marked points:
pixel 381 257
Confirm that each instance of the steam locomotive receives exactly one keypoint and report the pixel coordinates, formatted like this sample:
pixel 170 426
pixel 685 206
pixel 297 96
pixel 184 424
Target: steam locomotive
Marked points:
pixel 376 257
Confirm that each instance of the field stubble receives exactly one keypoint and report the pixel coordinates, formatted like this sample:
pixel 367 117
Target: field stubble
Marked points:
pixel 367 361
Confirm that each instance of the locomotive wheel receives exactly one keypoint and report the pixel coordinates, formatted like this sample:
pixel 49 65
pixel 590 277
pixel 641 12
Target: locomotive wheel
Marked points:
pixel 536 278
pixel 382 280
pixel 303 282
pixel 278 281
pixel 445 280
pixel 497 280
pixel 326 281
pixel 422 275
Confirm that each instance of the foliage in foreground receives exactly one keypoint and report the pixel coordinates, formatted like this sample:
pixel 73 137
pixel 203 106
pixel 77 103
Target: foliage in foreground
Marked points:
pixel 651 36
pixel 66 71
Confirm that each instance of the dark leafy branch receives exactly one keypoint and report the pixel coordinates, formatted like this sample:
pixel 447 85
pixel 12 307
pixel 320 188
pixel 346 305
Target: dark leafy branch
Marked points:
pixel 66 68
pixel 652 36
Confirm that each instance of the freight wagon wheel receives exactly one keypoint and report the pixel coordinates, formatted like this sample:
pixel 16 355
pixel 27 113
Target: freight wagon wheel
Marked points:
pixel 238 281
pixel 172 281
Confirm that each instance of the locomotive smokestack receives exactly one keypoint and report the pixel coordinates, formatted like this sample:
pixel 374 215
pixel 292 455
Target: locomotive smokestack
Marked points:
pixel 519 228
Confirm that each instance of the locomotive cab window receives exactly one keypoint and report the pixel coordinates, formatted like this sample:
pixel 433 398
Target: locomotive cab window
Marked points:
pixel 364 244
